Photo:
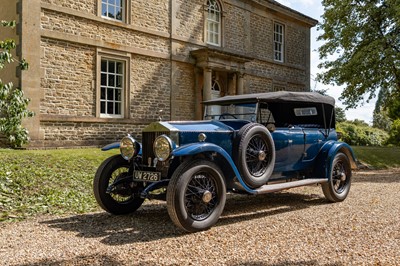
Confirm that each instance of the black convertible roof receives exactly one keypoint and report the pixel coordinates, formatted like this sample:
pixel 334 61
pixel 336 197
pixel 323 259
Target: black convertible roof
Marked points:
pixel 278 96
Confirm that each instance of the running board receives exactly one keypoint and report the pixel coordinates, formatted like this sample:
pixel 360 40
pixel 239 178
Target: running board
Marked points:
pixel 286 185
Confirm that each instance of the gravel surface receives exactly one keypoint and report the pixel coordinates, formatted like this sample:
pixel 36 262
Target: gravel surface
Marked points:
pixel 295 227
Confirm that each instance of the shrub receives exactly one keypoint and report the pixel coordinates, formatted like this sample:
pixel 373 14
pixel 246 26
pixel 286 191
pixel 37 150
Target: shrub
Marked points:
pixel 394 133
pixel 361 134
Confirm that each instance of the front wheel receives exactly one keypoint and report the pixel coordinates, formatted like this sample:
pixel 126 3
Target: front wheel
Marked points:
pixel 339 183
pixel 196 195
pixel 113 189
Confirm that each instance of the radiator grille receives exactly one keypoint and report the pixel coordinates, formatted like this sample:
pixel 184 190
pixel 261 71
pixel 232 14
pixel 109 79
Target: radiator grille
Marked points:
pixel 147 144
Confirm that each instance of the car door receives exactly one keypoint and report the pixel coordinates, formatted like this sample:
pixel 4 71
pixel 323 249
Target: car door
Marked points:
pixel 289 147
pixel 314 138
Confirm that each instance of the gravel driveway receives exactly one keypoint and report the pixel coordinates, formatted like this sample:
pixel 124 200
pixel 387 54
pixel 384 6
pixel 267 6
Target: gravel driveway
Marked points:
pixel 295 227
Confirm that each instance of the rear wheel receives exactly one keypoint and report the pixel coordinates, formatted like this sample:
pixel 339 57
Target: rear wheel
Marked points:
pixel 114 191
pixel 196 195
pixel 339 183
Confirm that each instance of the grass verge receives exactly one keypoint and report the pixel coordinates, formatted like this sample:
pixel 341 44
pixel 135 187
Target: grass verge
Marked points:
pixel 378 157
pixel 34 182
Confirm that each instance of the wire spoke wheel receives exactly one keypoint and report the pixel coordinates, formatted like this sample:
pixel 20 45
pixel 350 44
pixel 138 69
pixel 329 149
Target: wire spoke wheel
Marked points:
pixel 254 154
pixel 196 195
pixel 339 183
pixel 114 191
pixel 201 197
pixel 339 177
pixel 257 156
pixel 121 192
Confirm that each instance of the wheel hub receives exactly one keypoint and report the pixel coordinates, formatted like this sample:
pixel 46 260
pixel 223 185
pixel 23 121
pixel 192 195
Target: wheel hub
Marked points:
pixel 342 177
pixel 262 155
pixel 207 196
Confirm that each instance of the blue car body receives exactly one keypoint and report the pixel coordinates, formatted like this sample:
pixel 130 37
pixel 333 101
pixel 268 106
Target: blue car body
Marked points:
pixel 260 143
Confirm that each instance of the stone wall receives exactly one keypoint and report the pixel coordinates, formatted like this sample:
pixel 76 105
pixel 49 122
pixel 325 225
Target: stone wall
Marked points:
pixel 68 71
pixel 68 134
pixel 87 6
pixel 189 19
pixel 183 98
pixel 262 37
pixel 277 71
pixel 236 22
pixel 151 14
pixel 256 84
pixel 150 88
pixel 86 28
pixel 296 42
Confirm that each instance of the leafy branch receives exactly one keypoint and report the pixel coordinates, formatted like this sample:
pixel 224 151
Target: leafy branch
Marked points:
pixel 13 104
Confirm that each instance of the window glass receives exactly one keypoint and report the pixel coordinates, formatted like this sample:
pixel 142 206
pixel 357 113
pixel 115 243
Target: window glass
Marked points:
pixel 111 88
pixel 308 111
pixel 278 42
pixel 232 111
pixel 213 22
pixel 112 9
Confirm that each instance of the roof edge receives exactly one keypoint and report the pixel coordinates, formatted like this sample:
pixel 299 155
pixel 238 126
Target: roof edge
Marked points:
pixel 285 10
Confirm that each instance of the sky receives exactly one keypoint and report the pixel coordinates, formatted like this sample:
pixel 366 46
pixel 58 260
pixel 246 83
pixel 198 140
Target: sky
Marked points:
pixel 314 9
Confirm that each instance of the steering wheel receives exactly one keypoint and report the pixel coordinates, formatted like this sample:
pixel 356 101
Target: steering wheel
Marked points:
pixel 224 115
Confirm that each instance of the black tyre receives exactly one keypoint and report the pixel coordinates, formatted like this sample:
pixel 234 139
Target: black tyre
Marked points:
pixel 255 157
pixel 122 198
pixel 339 183
pixel 196 195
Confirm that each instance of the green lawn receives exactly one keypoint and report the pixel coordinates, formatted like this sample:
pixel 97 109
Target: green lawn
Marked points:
pixel 378 157
pixel 36 182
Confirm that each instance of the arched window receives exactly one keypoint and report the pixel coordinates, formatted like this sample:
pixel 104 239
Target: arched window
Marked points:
pixel 214 19
pixel 215 110
pixel 215 89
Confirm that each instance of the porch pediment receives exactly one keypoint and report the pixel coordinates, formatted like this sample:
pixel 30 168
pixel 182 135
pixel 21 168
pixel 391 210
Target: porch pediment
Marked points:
pixel 220 60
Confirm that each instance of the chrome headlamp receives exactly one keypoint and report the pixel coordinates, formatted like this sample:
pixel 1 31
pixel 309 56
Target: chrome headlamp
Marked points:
pixel 128 147
pixel 163 147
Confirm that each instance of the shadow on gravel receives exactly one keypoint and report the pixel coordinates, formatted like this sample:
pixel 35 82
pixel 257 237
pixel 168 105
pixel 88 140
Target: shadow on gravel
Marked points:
pixel 151 221
pixel 109 261
pixel 289 263
pixel 97 259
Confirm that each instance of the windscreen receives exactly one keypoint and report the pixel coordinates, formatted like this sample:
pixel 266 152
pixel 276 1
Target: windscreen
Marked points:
pixel 233 111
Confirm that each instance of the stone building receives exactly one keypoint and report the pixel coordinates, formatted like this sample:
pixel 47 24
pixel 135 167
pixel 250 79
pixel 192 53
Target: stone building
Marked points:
pixel 102 68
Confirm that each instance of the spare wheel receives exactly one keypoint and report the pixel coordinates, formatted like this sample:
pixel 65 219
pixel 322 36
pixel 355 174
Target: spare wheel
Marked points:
pixel 255 156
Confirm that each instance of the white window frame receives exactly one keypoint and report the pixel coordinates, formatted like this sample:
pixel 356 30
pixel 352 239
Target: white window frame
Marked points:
pixel 213 25
pixel 124 58
pixel 114 88
pixel 279 42
pixel 108 4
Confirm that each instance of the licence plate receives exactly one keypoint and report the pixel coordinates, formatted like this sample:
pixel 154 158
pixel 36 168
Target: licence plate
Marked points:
pixel 147 176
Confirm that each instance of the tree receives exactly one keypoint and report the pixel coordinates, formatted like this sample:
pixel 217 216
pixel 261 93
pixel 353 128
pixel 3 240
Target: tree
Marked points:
pixel 363 38
pixel 340 115
pixel 394 134
pixel 381 118
pixel 13 104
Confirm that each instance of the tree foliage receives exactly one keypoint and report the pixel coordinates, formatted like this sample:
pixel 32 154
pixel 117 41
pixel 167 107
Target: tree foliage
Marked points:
pixel 381 120
pixel 394 134
pixel 13 104
pixel 361 49
pixel 340 115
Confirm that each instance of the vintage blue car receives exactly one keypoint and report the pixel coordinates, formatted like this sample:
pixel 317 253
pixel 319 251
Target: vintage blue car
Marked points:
pixel 253 143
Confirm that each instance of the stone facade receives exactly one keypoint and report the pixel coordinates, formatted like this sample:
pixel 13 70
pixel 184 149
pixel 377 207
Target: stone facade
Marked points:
pixel 168 66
